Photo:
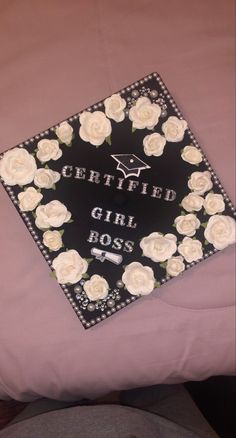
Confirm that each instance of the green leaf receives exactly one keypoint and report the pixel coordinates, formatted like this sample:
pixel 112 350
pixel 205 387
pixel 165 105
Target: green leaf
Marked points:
pixel 61 232
pixel 173 225
pixel 46 166
pixel 204 224
pixel 163 265
pixel 69 145
pixel 70 221
pixel 108 140
pixel 157 284
pixel 53 187
pixel 181 150
pixel 183 213
pixel 133 129
pixel 53 274
pixel 89 260
pixel 34 214
pixel 39 190
pixel 206 242
pixel 85 276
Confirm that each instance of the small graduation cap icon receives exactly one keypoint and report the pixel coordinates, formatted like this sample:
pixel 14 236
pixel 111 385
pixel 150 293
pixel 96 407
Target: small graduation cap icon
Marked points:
pixel 129 164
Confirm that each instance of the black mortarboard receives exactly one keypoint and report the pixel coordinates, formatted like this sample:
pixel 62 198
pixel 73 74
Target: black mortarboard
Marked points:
pixel 129 164
pixel 105 253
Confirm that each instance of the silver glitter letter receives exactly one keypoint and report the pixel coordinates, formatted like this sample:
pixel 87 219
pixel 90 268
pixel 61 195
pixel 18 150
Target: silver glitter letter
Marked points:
pixel 93 237
pixel 67 171
pixel 157 192
pixel 96 213
pixel 94 176
pixel 170 195
pixel 80 172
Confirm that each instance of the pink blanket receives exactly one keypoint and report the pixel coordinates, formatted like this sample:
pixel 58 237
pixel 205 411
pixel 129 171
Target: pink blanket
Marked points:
pixel 57 58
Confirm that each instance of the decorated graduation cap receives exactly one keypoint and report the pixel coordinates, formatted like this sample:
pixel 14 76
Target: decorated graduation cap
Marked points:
pixel 129 164
pixel 119 199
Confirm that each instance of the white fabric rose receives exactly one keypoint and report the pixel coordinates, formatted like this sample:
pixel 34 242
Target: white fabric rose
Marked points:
pixel 175 266
pixel 200 182
pixel 192 202
pixel 220 231
pixel 53 240
pixel 174 129
pixel 48 150
pixel 96 288
pixel 187 224
pixel 46 178
pixel 138 279
pixel 144 114
pixel 157 247
pixel 95 127
pixel 69 267
pixel 214 203
pixel 114 107
pixel 191 154
pixel 53 214
pixel 29 199
pixel 190 249
pixel 64 132
pixel 17 167
pixel 154 144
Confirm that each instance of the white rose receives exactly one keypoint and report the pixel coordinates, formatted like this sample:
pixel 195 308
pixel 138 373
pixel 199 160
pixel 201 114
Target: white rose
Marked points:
pixel 190 249
pixel 154 144
pixel 174 129
pixel 158 247
pixel 96 288
pixel 29 199
pixel 214 203
pixel 46 178
pixel 69 267
pixel 192 202
pixel 144 114
pixel 138 279
pixel 220 231
pixel 17 167
pixel 191 154
pixel 187 224
pixel 200 182
pixel 95 127
pixel 48 150
pixel 114 107
pixel 53 214
pixel 64 132
pixel 175 266
pixel 53 240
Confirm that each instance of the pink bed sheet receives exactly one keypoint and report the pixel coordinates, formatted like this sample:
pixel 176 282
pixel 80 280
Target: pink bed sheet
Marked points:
pixel 57 58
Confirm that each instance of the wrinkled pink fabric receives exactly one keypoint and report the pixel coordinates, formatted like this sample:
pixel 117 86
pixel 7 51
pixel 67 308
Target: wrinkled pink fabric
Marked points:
pixel 57 58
